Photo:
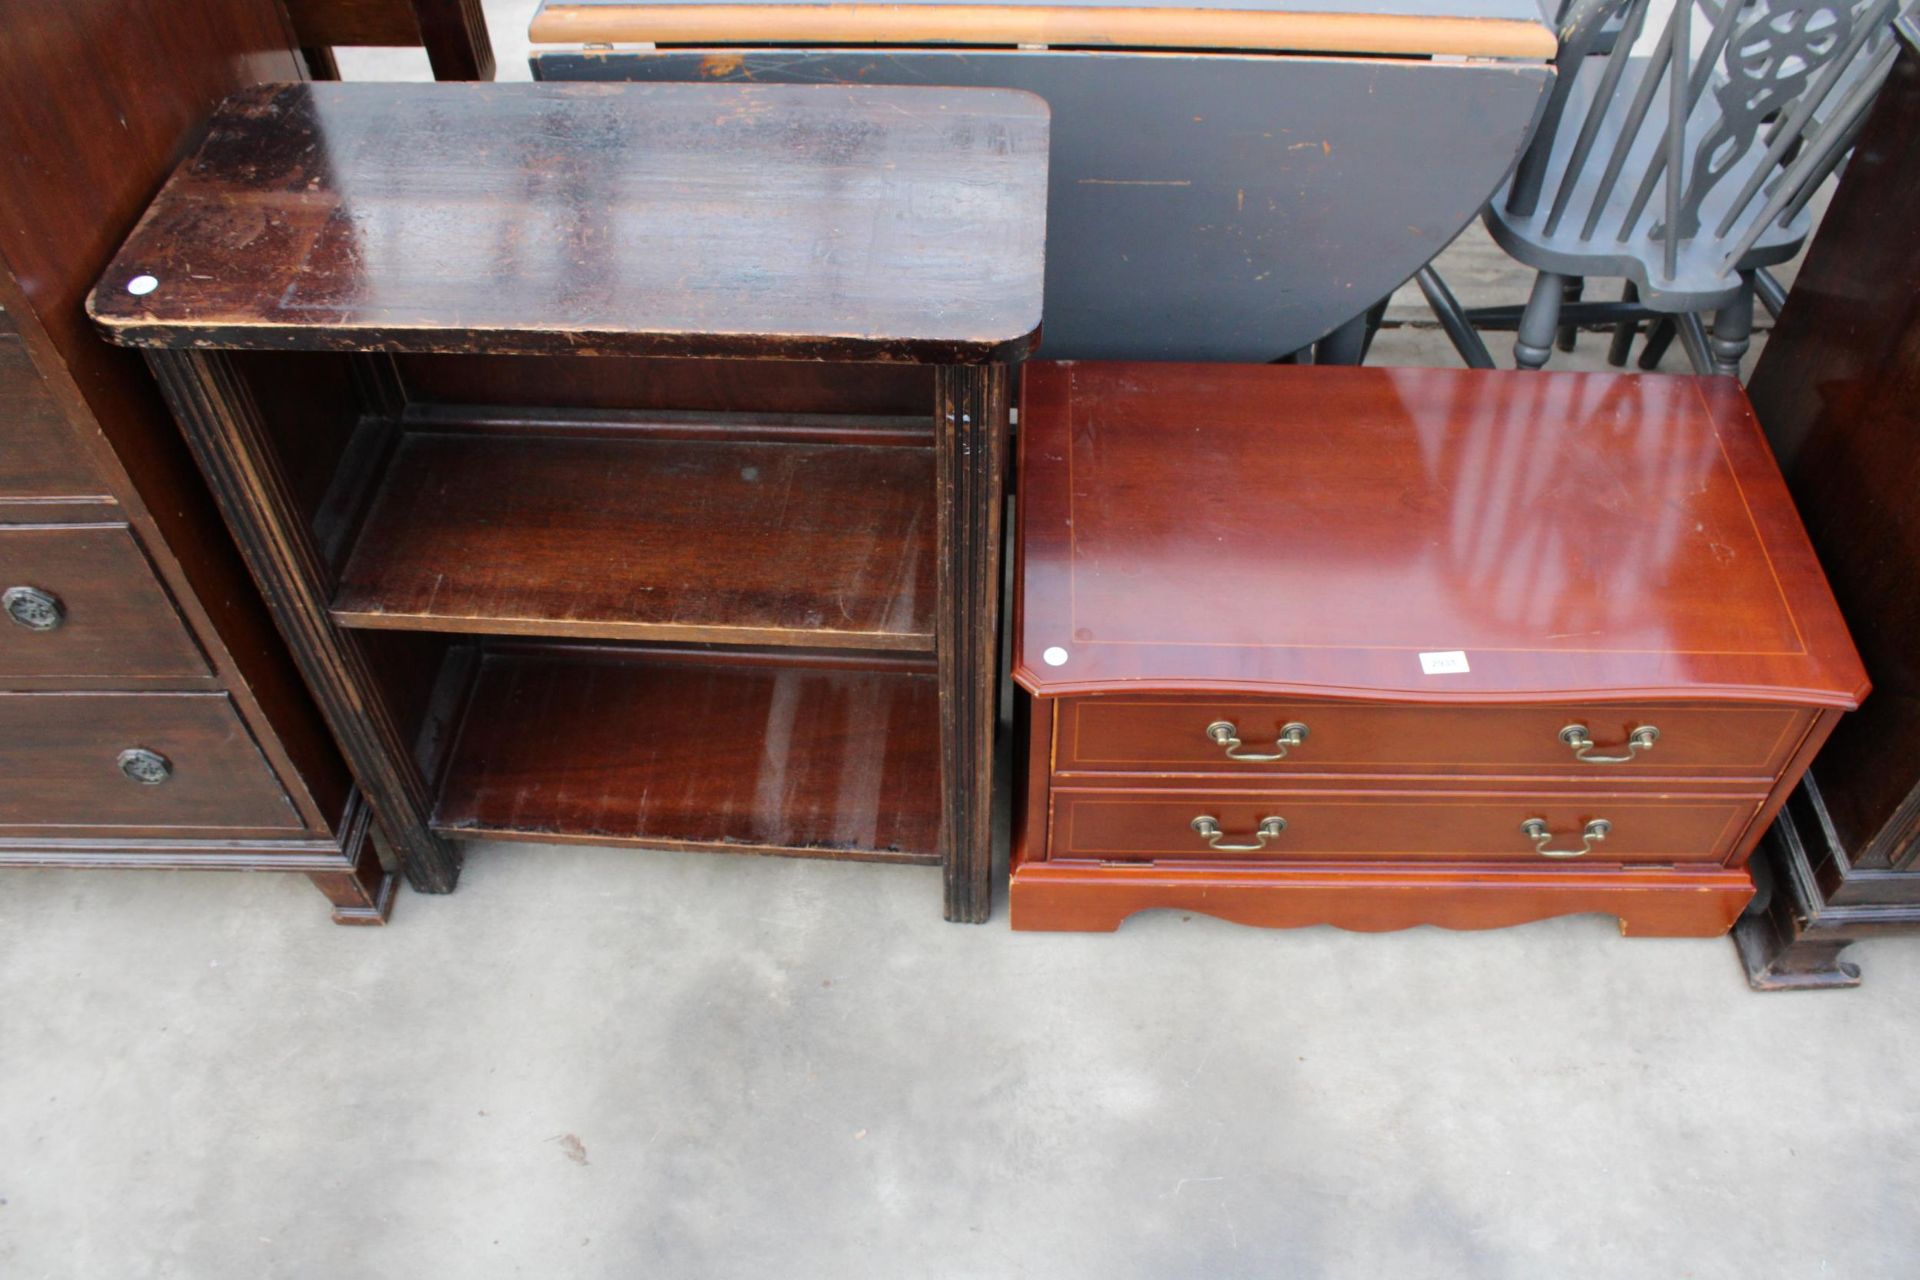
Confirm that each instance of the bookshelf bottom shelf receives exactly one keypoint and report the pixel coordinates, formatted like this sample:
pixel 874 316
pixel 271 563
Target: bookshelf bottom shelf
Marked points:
pixel 737 752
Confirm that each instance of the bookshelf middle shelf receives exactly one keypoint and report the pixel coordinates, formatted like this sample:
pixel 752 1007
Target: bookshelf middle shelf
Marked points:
pixel 815 531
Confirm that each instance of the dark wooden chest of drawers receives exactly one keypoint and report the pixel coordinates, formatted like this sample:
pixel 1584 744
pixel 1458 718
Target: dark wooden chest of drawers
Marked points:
pixel 149 715
pixel 1838 391
pixel 1386 647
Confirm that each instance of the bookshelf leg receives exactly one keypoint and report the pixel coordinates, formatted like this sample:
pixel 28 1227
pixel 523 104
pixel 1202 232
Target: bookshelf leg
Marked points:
pixel 223 425
pixel 970 426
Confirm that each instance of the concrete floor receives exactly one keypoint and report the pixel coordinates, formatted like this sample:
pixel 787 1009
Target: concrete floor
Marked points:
pixel 604 1063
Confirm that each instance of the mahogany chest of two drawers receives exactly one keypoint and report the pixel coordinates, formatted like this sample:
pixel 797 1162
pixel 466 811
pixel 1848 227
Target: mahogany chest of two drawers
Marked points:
pixel 1386 647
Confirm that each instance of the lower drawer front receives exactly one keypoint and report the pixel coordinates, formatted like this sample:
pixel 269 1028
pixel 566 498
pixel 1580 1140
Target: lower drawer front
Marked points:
pixel 1142 735
pixel 1123 826
pixel 80 761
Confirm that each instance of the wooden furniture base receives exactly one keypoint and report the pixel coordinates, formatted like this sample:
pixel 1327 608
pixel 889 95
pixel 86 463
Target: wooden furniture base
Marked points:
pixel 1815 903
pixel 347 869
pixel 1662 904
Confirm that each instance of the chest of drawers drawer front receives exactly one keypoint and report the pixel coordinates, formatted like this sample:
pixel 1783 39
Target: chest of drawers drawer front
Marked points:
pixel 83 601
pixel 39 456
pixel 84 761
pixel 1392 826
pixel 1243 735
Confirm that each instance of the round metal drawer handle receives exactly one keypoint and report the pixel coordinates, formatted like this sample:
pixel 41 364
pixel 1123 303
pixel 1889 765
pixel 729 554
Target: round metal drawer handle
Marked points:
pixel 1535 829
pixel 1576 736
pixel 34 609
pixel 1208 828
pixel 1226 735
pixel 149 768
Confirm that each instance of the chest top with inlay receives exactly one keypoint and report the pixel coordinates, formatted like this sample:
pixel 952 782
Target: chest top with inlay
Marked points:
pixel 1413 535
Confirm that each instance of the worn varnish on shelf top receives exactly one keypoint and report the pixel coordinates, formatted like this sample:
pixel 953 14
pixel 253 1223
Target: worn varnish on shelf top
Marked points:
pixel 798 221
pixel 1423 535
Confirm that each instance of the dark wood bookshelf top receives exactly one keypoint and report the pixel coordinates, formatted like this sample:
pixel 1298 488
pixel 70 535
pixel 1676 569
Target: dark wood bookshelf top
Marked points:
pixel 775 221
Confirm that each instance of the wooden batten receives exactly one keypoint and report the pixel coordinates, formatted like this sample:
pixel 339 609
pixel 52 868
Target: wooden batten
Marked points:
pixel 1057 27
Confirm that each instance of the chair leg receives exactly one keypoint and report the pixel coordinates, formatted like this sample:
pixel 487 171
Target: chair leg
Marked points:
pixel 1375 316
pixel 1659 338
pixel 1733 331
pixel 1694 341
pixel 1772 294
pixel 1345 345
pixel 1571 291
pixel 1624 331
pixel 1539 323
pixel 1447 310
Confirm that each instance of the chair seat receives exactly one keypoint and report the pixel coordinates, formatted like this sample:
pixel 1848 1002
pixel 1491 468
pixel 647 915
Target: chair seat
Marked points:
pixel 1699 284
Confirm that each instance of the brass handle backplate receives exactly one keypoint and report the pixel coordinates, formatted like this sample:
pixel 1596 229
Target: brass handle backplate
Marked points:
pixel 1535 829
pixel 1576 736
pixel 34 609
pixel 1226 735
pixel 1208 828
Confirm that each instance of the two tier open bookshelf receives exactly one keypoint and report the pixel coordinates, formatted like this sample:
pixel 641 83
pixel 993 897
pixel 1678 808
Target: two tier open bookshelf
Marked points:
pixel 623 463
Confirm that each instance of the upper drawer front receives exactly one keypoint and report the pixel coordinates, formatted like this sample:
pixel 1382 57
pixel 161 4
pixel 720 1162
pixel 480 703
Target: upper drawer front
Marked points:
pixel 39 456
pixel 1389 826
pixel 83 601
pixel 1144 735
pixel 82 761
